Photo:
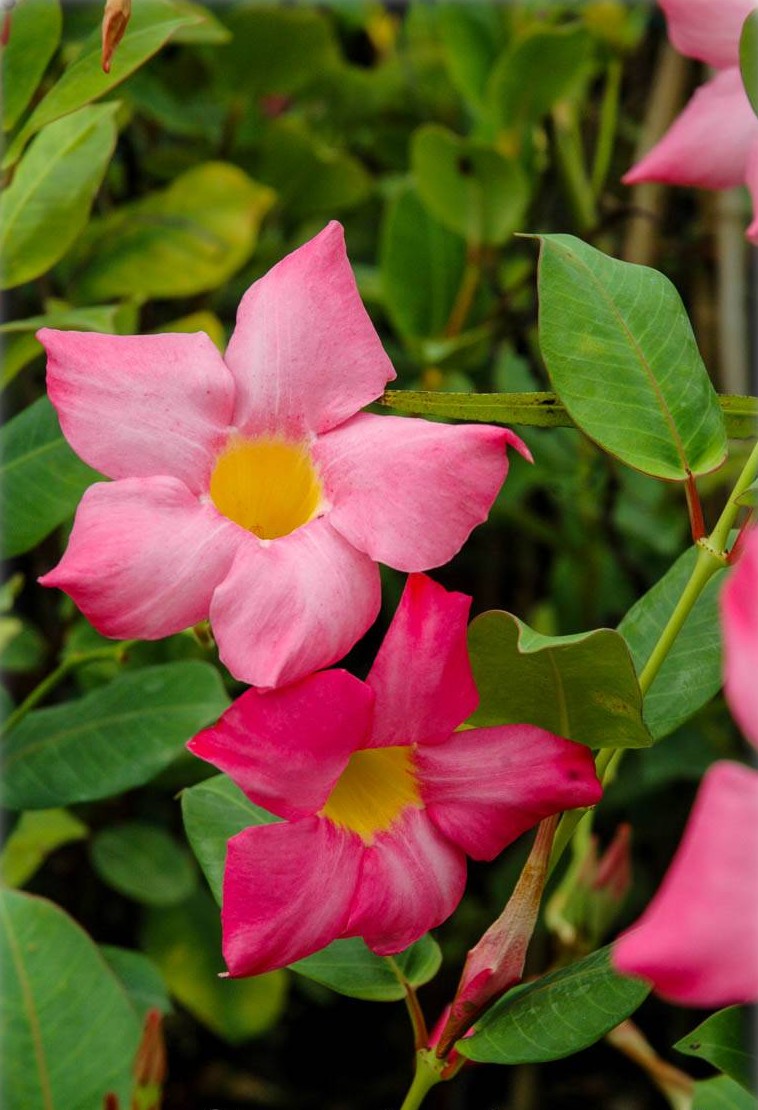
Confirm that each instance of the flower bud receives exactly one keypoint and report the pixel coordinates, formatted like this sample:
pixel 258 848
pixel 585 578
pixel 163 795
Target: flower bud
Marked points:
pixel 583 909
pixel 115 18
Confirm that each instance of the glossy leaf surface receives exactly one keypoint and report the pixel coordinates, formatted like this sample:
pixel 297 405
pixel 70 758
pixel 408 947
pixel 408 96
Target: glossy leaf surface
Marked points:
pixel 723 1040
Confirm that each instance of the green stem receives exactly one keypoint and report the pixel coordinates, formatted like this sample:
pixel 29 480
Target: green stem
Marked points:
pixel 428 1074
pixel 465 296
pixel 415 1013
pixel 719 537
pixel 607 130
pixel 570 156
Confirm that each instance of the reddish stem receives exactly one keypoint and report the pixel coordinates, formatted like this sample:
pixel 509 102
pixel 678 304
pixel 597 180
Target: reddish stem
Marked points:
pixel 697 523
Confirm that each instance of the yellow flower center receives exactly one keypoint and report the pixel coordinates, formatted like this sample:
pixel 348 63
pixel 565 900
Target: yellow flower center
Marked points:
pixel 268 486
pixel 373 790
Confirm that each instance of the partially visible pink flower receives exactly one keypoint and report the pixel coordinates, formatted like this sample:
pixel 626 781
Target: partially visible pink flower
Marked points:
pixel 381 799
pixel 713 143
pixel 739 619
pixel 246 488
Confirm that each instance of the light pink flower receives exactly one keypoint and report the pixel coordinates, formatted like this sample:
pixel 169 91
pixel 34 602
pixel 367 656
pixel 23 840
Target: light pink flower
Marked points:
pixel 713 143
pixel 739 621
pixel 381 799
pixel 246 487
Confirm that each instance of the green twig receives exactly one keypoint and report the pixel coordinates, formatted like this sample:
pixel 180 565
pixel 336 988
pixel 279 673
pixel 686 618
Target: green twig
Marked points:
pixel 607 129
pixel 415 1013
pixel 427 1075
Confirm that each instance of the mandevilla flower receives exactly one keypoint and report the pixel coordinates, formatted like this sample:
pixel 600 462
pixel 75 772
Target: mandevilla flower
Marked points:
pixel 714 142
pixel 381 800
pixel 697 942
pixel 246 488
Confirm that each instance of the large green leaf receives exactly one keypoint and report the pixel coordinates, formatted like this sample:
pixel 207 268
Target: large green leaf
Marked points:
pixel 749 58
pixel 112 740
pixel 562 56
pixel 139 977
pixel 555 1016
pixel 41 479
pixel 691 672
pixel 36 32
pixel 35 836
pixel 274 50
pixel 621 355
pixel 183 240
pixel 722 1093
pixel 583 687
pixel 471 35
pixel 47 203
pixel 69 1030
pixel 216 810
pixel 143 862
pixel 723 1040
pixel 152 23
pixel 469 187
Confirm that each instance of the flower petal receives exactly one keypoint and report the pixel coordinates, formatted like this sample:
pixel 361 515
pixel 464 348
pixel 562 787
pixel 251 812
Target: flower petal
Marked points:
pixel 287 748
pixel 411 881
pixel 697 941
pixel 144 557
pixel 709 142
pixel 706 29
pixel 409 492
pixel 288 889
pixel 486 786
pixel 134 406
pixel 304 354
pixel 422 676
pixel 751 180
pixel 293 605
pixel 739 620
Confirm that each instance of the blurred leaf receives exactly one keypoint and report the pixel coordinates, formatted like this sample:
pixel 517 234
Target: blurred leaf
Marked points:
pixel 684 758
pixel 750 496
pixel 47 203
pixel 749 58
pixel 35 33
pixel 469 187
pixel 471 36
pixel 546 65
pixel 722 1040
pixel 69 1030
pixel 185 943
pixel 151 25
pixel 691 672
pixel 143 862
pixel 24 649
pixel 112 740
pixel 35 836
pixel 41 479
pixel 557 1015
pixel 204 26
pixel 722 1093
pixel 582 687
pixel 189 238
pixel 274 50
pixel 621 355
pixel 190 114
pixel 421 267
pixel 23 346
pixel 139 977
pixel 199 321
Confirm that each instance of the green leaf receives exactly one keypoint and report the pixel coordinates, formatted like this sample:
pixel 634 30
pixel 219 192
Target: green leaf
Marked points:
pixel 691 673
pixel 555 1016
pixel 563 58
pixel 185 943
pixel 469 187
pixel 70 1032
pixel 24 347
pixel 189 238
pixel 151 25
pixel 216 810
pixel 143 862
pixel 421 267
pixel 35 836
pixel 118 737
pixel 722 1093
pixel 582 687
pixel 41 479
pixel 36 31
pixel 749 58
pixel 47 203
pixel 471 36
pixel 621 355
pixel 722 1040
pixel 749 496
pixel 139 977
pixel 205 27
pixel 274 50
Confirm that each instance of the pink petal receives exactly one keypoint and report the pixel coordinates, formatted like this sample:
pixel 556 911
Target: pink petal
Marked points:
pixel 709 142
pixel 288 888
pixel 293 605
pixel 144 557
pixel 304 353
pixel 134 406
pixel 409 492
pixel 707 29
pixel 751 180
pixel 486 786
pixel 422 676
pixel 287 748
pixel 739 620
pixel 411 881
pixel 697 941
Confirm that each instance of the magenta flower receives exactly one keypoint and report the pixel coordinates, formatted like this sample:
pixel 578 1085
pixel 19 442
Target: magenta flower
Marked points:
pixel 246 488
pixel 739 621
pixel 713 143
pixel 381 799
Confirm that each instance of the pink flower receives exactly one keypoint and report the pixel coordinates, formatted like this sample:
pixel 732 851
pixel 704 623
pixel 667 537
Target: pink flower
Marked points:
pixel 739 620
pixel 246 487
pixel 713 143
pixel 381 799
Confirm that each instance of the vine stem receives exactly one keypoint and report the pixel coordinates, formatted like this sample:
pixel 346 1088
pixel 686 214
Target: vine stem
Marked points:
pixel 427 1075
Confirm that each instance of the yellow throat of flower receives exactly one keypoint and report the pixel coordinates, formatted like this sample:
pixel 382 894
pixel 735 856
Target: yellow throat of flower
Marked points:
pixel 373 790
pixel 267 485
